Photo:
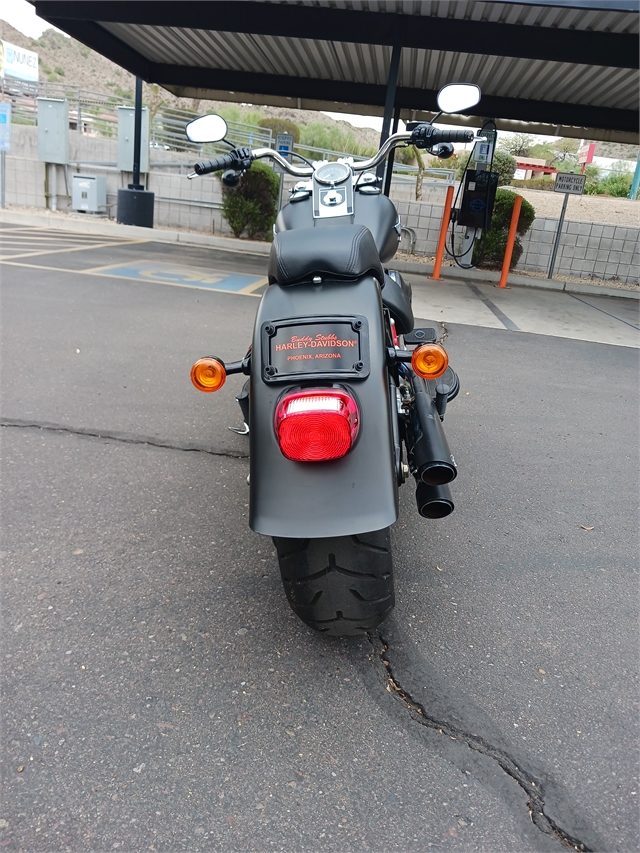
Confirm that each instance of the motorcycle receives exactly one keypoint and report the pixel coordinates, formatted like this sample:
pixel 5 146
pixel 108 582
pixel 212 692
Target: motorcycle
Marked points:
pixel 339 380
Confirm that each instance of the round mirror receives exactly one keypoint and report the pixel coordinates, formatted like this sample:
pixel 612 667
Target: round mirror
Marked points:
pixel 211 128
pixel 458 96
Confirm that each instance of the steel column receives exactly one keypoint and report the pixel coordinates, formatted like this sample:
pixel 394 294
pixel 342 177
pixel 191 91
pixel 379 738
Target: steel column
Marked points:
pixel 137 136
pixel 392 154
pixel 390 98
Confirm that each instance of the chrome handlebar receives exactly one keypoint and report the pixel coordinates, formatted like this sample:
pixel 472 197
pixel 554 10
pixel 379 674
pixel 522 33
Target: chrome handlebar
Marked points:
pixel 358 166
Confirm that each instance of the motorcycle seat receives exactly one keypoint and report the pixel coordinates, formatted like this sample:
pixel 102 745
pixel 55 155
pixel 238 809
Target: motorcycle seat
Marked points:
pixel 338 253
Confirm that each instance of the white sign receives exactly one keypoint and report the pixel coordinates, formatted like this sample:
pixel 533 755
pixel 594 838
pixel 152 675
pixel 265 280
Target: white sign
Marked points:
pixel 5 127
pixel 570 184
pixel 17 62
pixel 520 175
pixel 284 146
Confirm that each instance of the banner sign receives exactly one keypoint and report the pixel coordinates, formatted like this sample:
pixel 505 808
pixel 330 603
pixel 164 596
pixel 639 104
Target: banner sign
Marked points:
pixel 586 152
pixel 17 62
pixel 5 127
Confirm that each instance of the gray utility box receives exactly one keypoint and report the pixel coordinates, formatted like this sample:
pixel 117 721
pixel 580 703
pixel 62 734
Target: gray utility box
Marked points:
pixel 126 130
pixel 89 193
pixel 53 130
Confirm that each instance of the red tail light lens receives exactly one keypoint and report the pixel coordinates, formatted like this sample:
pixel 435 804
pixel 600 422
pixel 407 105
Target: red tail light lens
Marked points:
pixel 317 425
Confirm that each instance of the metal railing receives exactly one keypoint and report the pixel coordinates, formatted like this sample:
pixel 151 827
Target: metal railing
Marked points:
pixel 96 114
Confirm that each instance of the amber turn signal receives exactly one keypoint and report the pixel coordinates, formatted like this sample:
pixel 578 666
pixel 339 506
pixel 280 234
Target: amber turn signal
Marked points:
pixel 429 361
pixel 208 374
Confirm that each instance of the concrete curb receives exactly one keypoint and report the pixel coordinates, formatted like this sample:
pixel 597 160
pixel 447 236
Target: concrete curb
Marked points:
pixel 489 277
pixel 108 228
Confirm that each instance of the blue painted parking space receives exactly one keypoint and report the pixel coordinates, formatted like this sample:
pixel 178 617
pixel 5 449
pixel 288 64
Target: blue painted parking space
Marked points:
pixel 181 275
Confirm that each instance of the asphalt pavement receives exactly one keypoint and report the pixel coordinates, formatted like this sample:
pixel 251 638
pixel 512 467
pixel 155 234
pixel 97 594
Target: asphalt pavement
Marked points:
pixel 157 692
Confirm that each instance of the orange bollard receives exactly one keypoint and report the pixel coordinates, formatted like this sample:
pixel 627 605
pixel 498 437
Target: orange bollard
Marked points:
pixel 511 239
pixel 443 234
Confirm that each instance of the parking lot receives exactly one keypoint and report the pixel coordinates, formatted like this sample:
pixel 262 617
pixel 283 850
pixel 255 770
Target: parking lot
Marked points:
pixel 157 692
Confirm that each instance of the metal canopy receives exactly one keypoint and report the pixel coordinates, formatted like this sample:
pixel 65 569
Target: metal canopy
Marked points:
pixel 568 67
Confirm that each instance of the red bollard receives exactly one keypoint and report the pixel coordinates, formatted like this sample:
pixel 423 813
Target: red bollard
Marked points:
pixel 443 233
pixel 511 239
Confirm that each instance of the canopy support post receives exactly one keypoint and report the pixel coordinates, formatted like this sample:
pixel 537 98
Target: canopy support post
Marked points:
pixel 390 98
pixel 392 154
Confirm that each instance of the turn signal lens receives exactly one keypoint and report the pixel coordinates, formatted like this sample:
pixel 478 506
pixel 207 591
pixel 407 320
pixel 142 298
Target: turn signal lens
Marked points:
pixel 316 425
pixel 429 361
pixel 208 374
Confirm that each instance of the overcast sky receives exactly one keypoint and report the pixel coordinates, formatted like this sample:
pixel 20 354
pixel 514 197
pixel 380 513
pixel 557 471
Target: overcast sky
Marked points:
pixel 22 16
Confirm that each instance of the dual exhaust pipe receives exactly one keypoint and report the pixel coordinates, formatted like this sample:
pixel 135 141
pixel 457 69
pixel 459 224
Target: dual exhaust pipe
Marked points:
pixel 430 459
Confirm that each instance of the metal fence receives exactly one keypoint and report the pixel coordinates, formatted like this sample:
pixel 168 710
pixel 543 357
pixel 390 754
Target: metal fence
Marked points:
pixel 96 114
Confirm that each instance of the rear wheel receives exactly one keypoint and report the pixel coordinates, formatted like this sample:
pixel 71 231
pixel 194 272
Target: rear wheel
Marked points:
pixel 340 586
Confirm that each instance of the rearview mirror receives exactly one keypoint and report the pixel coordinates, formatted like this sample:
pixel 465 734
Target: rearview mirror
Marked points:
pixel 456 97
pixel 211 128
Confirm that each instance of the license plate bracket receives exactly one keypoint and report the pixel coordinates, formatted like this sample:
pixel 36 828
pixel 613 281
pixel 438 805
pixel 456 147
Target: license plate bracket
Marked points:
pixel 316 347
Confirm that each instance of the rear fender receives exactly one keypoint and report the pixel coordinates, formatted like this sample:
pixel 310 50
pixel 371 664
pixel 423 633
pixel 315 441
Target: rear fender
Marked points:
pixel 347 496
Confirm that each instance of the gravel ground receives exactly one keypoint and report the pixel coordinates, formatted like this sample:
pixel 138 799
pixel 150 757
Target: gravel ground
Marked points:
pixel 585 208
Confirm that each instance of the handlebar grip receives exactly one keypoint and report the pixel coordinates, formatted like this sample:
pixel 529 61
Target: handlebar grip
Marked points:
pixel 451 136
pixel 226 161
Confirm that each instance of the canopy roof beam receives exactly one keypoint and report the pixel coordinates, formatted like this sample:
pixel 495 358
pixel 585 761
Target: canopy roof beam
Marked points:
pixel 583 47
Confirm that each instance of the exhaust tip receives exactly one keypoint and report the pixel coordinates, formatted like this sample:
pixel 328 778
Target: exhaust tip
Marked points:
pixel 434 501
pixel 437 473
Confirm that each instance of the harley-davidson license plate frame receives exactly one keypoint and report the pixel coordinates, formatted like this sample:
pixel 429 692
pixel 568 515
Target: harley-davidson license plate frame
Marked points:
pixel 315 347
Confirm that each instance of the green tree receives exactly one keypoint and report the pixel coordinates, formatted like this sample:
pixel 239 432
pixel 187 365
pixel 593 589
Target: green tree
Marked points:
pixel 516 144
pixel 252 204
pixel 505 165
pixel 281 125
pixel 490 250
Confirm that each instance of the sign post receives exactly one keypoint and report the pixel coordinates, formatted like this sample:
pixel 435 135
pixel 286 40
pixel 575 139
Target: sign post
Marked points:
pixel 5 145
pixel 284 146
pixel 569 184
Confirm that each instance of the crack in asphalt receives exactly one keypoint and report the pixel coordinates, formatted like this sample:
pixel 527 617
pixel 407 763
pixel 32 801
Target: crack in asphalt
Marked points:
pixel 534 791
pixel 126 438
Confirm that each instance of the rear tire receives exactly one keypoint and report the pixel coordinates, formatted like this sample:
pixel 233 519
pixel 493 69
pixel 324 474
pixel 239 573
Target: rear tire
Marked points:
pixel 339 586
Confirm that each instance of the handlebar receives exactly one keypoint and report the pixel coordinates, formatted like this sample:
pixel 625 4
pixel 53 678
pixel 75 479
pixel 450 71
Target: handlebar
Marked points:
pixel 422 136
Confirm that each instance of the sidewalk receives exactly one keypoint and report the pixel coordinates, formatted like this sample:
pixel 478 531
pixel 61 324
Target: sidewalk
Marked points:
pixel 80 224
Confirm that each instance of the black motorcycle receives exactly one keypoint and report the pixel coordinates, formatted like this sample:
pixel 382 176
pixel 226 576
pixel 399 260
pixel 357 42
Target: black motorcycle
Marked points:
pixel 339 380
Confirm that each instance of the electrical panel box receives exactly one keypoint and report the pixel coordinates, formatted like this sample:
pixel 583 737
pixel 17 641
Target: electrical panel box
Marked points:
pixel 478 198
pixel 53 130
pixel 126 130
pixel 89 193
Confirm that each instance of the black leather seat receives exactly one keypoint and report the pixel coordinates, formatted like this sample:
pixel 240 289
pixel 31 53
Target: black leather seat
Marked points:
pixel 340 252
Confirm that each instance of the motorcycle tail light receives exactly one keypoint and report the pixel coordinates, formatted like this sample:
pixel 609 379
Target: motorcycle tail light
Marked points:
pixel 429 361
pixel 317 424
pixel 208 374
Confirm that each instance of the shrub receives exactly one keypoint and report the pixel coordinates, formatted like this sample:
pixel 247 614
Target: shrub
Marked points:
pixel 535 184
pixel 617 186
pixel 59 70
pixel 489 251
pixel 252 204
pixel 505 165
pixel 281 125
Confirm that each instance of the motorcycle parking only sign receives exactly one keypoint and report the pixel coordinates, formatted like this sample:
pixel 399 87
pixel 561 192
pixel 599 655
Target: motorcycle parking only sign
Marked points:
pixel 570 184
pixel 284 146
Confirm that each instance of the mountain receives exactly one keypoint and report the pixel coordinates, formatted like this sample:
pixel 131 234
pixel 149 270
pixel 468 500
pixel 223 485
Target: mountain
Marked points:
pixel 65 60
